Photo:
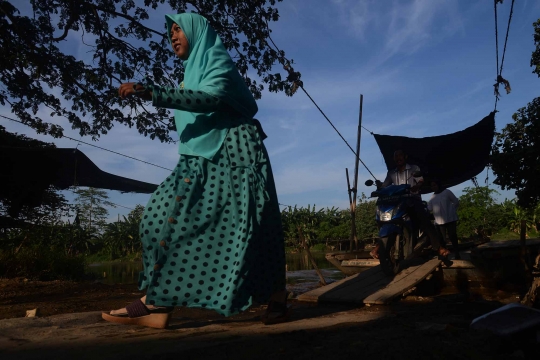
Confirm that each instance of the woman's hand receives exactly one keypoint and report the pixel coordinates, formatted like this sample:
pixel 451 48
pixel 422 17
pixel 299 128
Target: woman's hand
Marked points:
pixel 129 89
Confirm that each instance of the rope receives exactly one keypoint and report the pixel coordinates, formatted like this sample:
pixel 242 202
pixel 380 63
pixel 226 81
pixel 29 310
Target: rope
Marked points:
pixel 371 132
pixel 500 79
pixel 506 39
pixel 496 86
pixel 496 37
pixel 99 147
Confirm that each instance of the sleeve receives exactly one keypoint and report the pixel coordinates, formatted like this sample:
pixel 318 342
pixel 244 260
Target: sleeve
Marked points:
pixel 430 203
pixel 417 179
pixel 453 198
pixel 185 99
pixel 388 181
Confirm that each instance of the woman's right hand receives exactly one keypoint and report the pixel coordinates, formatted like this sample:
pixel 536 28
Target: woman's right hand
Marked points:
pixel 131 88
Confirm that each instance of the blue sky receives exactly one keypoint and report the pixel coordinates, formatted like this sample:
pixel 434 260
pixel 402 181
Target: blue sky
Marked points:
pixel 425 68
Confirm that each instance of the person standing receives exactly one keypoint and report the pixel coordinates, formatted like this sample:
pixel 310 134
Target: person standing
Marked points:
pixel 443 204
pixel 211 233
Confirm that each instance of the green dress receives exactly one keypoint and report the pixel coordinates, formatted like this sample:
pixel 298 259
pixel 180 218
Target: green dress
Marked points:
pixel 211 233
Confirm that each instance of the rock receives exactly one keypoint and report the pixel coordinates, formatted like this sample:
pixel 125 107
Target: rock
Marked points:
pixel 32 313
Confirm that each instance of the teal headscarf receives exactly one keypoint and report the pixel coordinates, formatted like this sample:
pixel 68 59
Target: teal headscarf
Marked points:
pixel 209 68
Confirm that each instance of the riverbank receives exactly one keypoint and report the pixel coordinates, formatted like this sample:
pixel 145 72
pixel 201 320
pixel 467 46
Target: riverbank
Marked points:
pixel 419 328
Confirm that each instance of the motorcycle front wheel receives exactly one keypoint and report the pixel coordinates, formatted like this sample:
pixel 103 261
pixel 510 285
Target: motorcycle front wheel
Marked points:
pixel 386 255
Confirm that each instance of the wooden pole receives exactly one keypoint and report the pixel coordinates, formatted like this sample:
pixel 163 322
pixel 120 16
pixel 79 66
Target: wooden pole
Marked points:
pixel 524 252
pixel 357 163
pixel 353 212
pixel 311 259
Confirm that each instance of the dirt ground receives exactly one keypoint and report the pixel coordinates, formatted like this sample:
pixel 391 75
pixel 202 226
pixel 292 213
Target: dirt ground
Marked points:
pixel 413 328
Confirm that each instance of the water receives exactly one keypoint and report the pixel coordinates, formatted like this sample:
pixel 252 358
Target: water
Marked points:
pixel 300 275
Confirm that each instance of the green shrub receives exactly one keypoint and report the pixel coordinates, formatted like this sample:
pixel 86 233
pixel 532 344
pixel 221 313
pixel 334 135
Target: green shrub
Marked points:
pixel 318 247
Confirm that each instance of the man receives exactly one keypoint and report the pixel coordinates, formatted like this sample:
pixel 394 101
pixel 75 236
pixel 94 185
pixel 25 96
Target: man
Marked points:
pixel 404 174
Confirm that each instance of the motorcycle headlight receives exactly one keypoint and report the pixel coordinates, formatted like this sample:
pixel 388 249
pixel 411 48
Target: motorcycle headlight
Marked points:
pixel 387 215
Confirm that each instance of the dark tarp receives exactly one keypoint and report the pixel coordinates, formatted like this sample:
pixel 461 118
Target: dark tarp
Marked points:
pixel 26 173
pixel 452 158
pixel 62 168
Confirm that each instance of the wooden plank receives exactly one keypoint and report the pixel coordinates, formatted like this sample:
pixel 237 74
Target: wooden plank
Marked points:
pixel 403 281
pixel 361 262
pixel 460 264
pixel 506 244
pixel 370 281
pixel 345 286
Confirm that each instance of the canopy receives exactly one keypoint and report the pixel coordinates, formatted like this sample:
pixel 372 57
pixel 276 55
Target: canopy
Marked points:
pixel 62 168
pixel 26 173
pixel 452 158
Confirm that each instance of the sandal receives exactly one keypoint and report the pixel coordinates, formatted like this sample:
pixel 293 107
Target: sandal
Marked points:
pixel 138 314
pixel 443 252
pixel 276 312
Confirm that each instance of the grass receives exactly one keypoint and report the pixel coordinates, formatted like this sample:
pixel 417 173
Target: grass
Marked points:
pixel 42 263
pixel 315 248
pixel 506 234
pixel 106 257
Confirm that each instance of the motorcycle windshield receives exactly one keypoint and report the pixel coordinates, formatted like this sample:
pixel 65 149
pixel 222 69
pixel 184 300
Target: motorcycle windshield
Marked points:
pixel 392 190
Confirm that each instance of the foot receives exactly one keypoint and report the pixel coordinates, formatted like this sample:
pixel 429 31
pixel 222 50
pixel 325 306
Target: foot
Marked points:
pixel 375 252
pixel 277 310
pixel 443 252
pixel 123 311
pixel 137 313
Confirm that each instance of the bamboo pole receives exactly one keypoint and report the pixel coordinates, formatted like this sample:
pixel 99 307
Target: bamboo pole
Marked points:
pixel 353 211
pixel 356 166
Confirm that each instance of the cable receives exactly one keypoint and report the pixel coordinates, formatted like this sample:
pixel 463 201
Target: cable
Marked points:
pixel 99 147
pixel 294 78
pixel 109 202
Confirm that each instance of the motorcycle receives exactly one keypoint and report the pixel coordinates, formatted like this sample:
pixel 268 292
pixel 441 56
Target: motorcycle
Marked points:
pixel 398 235
pixel 395 227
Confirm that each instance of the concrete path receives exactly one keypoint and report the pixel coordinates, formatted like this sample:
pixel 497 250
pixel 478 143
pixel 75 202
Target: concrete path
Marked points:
pixel 87 336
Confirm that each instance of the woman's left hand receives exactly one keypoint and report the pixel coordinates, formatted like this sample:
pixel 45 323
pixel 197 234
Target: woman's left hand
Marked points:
pixel 129 89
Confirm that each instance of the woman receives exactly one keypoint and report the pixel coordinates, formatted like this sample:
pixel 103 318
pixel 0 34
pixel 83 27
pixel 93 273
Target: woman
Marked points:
pixel 443 204
pixel 211 232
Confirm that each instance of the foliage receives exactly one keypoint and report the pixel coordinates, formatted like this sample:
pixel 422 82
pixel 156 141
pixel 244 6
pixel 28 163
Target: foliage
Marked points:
pixel 299 222
pixel 366 227
pixel 516 151
pixel 121 238
pixel 515 155
pixel 36 65
pixel 517 215
pixel 41 263
pixel 58 250
pixel 328 224
pixel 91 211
pixel 475 217
pixel 535 58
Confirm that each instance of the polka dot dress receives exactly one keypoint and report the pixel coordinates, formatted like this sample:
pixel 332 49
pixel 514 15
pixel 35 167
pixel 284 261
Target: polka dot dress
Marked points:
pixel 211 232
